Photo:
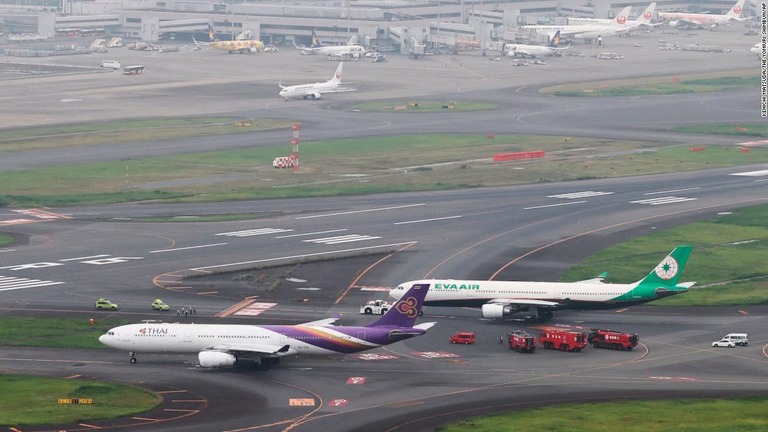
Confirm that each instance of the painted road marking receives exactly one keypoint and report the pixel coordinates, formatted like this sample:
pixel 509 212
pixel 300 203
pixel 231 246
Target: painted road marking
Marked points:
pixel 382 289
pixel 554 205
pixel 255 309
pixel 360 211
pixel 427 220
pixel 338 403
pixel 341 239
pixel 663 200
pixel 254 232
pixel 8 283
pixel 188 248
pixel 301 402
pixel 760 173
pixel 374 357
pixel 10 222
pixel 356 380
pixel 436 354
pixel 578 195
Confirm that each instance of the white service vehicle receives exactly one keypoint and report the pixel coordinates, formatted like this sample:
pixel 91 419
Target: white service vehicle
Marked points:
pixel 111 64
pixel 737 338
pixel 376 307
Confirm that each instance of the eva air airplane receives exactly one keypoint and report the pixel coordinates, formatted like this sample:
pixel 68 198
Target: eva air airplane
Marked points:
pixel 501 299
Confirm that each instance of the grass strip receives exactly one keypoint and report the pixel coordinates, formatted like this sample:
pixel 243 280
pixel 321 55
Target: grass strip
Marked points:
pixel 675 415
pixel 737 243
pixel 30 400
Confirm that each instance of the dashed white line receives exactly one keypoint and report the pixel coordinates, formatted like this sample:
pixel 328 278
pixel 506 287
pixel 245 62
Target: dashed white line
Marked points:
pixel 427 220
pixel 671 191
pixel 361 211
pixel 188 248
pixel 312 233
pixel 83 258
pixel 554 205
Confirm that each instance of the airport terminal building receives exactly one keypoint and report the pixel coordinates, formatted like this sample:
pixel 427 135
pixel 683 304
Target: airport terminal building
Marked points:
pixel 376 23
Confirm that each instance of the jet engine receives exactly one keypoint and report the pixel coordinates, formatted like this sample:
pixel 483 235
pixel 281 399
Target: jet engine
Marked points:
pixel 312 96
pixel 495 311
pixel 214 359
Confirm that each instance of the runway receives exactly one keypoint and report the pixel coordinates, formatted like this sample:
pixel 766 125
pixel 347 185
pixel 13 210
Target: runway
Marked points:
pixel 74 255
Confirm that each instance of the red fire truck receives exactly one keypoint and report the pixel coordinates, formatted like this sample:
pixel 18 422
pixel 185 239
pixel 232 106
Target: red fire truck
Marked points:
pixel 612 339
pixel 521 341
pixel 564 340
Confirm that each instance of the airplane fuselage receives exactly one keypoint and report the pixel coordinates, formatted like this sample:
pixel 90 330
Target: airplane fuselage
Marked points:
pixel 193 338
pixel 304 90
pixel 567 295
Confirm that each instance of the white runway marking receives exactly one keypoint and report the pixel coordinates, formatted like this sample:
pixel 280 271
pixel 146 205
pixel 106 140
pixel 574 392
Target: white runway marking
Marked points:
pixel 8 283
pixel 663 200
pixel 292 257
pixel 312 233
pixel 341 239
pixel 554 205
pixel 577 195
pixel 760 173
pixel 427 220
pixel 361 211
pixel 671 191
pixel 253 232
pixel 188 248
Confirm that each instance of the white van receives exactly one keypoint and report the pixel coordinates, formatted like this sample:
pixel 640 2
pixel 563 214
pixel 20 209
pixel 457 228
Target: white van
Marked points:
pixel 112 64
pixel 737 338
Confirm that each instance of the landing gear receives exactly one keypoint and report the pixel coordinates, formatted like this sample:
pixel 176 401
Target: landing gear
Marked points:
pixel 266 363
pixel 133 357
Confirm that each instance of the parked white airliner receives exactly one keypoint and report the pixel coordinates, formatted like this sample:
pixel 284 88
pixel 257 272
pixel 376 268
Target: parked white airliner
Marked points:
pixel 701 19
pixel 500 299
pixel 219 345
pixel 526 50
pixel 316 90
pixel 583 30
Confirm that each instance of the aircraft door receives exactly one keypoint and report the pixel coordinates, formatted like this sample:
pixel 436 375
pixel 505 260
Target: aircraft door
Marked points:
pixel 361 334
pixel 187 335
pixel 126 335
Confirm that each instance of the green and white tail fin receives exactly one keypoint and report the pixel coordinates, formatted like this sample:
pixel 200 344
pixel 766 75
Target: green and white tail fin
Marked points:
pixel 669 270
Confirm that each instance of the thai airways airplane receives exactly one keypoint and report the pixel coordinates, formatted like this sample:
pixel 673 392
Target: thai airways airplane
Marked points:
pixel 220 345
pixel 525 50
pixel 675 19
pixel 316 90
pixel 500 299
pixel 349 50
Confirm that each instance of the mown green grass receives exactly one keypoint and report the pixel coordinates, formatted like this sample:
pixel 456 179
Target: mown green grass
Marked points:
pixel 353 166
pixel 57 332
pixel 29 400
pixel 727 262
pixel 660 85
pixel 6 240
pixel 416 106
pixel 742 129
pixel 677 415
pixel 128 131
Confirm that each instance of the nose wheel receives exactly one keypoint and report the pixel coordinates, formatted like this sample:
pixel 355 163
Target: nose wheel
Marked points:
pixel 133 357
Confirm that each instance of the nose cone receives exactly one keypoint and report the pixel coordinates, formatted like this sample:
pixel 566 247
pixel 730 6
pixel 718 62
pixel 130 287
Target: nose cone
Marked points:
pixel 103 339
pixel 396 293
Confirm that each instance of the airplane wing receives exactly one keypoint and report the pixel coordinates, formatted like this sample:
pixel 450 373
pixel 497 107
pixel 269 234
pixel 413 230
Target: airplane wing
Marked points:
pixel 263 350
pixel 522 302
pixel 598 279
pixel 339 90
pixel 323 322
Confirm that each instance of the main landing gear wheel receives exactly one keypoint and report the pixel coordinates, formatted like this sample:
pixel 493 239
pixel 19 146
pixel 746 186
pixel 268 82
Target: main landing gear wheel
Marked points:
pixel 133 358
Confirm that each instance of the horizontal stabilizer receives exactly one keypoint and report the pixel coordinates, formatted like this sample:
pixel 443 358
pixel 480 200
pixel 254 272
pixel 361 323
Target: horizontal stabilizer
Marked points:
pixel 425 326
